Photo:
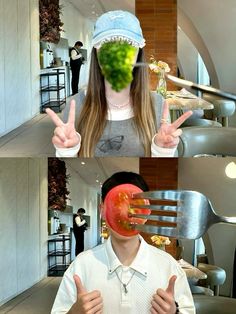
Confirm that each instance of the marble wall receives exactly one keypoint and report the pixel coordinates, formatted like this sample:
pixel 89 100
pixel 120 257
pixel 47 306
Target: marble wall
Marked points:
pixel 23 224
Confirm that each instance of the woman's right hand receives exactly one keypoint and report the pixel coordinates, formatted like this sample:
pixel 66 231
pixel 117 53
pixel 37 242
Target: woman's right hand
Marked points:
pixel 65 135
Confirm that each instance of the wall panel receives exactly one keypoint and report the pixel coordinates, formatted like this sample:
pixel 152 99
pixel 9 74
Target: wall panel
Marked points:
pixel 2 89
pixel 23 232
pixel 19 63
pixel 23 56
pixel 22 225
pixel 34 56
pixel 8 247
pixel 10 58
pixel 34 220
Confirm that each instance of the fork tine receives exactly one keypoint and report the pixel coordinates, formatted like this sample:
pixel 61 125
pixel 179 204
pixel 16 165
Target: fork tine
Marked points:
pixel 162 195
pixel 165 231
pixel 157 207
pixel 155 217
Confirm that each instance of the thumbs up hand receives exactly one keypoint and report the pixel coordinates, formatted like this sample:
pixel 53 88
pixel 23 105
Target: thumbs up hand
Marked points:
pixel 163 301
pixel 87 302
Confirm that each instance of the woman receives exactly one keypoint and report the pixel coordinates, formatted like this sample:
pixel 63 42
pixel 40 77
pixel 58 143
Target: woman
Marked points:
pixel 114 123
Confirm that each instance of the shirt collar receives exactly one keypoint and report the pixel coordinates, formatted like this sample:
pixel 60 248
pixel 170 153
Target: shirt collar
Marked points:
pixel 139 264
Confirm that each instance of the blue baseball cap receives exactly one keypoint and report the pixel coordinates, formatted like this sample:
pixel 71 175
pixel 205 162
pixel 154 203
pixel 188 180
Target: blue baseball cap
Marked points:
pixel 118 25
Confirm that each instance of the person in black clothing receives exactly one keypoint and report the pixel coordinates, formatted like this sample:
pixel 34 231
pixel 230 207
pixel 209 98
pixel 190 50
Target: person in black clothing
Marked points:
pixel 79 227
pixel 76 60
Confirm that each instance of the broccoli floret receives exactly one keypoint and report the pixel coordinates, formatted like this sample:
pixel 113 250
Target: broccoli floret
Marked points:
pixel 116 60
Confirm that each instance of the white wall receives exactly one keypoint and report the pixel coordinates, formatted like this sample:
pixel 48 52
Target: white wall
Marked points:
pixel 83 195
pixel 207 176
pixel 23 231
pixel 187 57
pixel 19 63
pixel 77 27
pixel 214 22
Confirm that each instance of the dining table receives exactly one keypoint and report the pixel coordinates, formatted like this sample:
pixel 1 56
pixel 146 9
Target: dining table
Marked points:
pixel 182 100
pixel 193 273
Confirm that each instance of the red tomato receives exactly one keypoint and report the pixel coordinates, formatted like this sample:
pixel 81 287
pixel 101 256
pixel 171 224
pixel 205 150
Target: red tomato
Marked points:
pixel 117 205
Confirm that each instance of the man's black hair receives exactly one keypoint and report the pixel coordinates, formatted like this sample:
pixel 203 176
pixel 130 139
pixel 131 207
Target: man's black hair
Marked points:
pixel 123 178
pixel 81 210
pixel 79 43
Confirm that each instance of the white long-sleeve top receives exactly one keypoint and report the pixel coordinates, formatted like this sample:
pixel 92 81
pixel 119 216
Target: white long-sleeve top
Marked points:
pixel 120 122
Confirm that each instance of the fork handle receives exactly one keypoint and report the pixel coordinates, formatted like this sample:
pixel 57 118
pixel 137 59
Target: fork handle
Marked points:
pixel 228 220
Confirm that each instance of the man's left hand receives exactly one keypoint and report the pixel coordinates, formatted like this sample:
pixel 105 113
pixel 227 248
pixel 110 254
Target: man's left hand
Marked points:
pixel 163 301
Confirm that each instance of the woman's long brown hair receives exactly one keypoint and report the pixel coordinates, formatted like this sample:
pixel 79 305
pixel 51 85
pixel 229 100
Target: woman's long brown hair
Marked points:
pixel 92 120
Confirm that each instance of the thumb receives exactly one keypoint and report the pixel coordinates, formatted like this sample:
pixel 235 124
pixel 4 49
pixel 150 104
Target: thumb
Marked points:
pixel 171 286
pixel 79 286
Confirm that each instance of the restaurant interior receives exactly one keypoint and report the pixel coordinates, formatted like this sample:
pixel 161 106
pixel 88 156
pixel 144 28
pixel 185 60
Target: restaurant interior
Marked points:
pixel 31 269
pixel 37 243
pixel 189 39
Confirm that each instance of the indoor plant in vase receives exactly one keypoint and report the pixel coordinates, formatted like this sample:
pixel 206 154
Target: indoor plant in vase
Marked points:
pixel 160 241
pixel 160 68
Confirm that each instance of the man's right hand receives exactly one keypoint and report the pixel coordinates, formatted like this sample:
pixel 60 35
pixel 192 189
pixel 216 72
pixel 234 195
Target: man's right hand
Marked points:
pixel 87 302
pixel 65 135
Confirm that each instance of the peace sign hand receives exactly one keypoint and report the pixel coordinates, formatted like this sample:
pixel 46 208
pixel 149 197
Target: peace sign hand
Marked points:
pixel 65 135
pixel 168 134
pixel 87 302
pixel 163 301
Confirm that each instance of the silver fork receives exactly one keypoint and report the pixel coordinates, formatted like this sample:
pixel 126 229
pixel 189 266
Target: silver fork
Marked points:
pixel 190 218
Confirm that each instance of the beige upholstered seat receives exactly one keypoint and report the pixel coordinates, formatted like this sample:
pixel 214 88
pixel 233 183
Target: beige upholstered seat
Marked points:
pixel 200 122
pixel 207 140
pixel 223 108
pixel 215 276
pixel 214 305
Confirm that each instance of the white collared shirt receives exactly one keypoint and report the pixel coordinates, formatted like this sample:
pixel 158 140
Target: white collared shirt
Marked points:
pixel 151 269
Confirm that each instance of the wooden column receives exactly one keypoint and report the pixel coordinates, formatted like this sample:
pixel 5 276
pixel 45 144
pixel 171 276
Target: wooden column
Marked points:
pixel 160 174
pixel 158 20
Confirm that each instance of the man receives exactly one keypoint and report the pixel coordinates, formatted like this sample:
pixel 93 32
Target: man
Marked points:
pixel 76 60
pixel 125 274
pixel 79 227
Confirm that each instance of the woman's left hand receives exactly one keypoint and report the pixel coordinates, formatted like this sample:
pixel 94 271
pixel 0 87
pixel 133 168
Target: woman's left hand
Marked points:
pixel 169 133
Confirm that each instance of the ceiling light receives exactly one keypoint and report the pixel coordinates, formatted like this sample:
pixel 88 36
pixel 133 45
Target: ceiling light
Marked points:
pixel 230 170
pixel 82 163
pixel 97 181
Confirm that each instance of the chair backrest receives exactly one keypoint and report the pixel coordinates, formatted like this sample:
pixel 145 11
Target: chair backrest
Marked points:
pixel 222 107
pixel 200 122
pixel 217 305
pixel 207 140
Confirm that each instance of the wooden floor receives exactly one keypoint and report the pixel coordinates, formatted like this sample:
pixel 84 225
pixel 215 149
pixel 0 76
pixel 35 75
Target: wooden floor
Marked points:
pixel 36 300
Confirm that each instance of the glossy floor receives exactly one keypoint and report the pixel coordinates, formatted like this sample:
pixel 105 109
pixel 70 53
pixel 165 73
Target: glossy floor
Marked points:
pixel 32 139
pixel 36 300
